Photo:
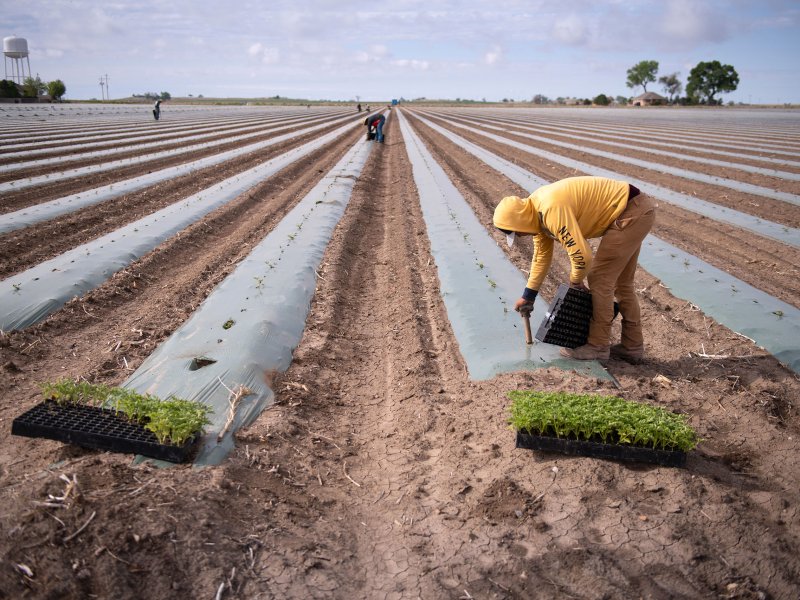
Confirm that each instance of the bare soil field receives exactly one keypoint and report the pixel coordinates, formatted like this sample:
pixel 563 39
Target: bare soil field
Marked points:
pixel 383 470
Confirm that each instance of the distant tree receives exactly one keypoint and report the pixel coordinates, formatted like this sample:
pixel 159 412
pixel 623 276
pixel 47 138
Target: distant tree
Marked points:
pixel 642 74
pixel 587 102
pixel 33 87
pixel 8 89
pixel 541 99
pixel 672 86
pixel 165 96
pixel 710 78
pixel 56 89
pixel 622 100
pixel 601 100
pixel 561 100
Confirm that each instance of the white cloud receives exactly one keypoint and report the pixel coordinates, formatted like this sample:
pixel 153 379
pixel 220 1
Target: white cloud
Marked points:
pixel 375 53
pixel 493 56
pixel 694 22
pixel 571 30
pixel 267 55
pixel 417 65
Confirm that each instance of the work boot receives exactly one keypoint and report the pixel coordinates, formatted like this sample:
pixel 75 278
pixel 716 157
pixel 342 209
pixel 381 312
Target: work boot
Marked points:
pixel 632 355
pixel 586 352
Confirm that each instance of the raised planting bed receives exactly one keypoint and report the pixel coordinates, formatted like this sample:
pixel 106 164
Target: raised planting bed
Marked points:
pixel 600 426
pixel 567 320
pixel 114 419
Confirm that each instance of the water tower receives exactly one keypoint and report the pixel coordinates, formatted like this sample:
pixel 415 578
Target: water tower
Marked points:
pixel 15 51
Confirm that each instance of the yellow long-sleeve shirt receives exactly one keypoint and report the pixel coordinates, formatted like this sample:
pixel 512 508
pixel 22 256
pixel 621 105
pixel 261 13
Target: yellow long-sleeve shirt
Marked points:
pixel 571 211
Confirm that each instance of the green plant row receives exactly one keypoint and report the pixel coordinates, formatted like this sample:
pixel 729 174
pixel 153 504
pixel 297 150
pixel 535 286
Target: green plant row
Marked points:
pixel 608 418
pixel 173 420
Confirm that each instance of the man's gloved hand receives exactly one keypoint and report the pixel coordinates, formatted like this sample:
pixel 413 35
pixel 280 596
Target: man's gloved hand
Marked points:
pixel 523 306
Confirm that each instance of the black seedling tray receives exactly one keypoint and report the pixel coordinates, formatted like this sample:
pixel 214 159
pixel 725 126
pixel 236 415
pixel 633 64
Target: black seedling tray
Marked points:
pixel 574 447
pixel 567 320
pixel 93 427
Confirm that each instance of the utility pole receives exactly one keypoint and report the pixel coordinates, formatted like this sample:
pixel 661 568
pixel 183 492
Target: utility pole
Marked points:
pixel 108 93
pixel 102 92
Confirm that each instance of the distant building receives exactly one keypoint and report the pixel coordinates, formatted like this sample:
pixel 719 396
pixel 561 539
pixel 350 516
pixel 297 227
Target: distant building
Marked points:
pixel 648 99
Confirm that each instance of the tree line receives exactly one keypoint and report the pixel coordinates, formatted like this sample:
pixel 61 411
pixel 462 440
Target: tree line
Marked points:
pixel 32 87
pixel 705 81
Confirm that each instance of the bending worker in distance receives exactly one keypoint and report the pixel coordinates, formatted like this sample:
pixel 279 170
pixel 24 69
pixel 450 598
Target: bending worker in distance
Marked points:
pixel 375 124
pixel 571 211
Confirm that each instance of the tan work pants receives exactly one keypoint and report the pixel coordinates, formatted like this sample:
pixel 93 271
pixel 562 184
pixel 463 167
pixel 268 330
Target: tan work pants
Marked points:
pixel 611 274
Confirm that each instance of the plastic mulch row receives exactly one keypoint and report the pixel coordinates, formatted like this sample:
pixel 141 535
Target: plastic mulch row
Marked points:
pixel 546 443
pixel 94 427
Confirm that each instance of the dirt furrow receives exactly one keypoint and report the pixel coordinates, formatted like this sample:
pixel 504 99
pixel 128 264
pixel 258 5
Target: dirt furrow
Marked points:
pixel 21 249
pixel 382 470
pixel 10 201
pixel 166 145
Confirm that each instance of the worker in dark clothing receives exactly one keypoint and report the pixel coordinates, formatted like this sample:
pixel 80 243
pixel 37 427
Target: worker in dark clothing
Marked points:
pixel 157 109
pixel 375 125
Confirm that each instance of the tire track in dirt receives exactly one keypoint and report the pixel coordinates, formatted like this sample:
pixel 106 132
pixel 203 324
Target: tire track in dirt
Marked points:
pixel 763 263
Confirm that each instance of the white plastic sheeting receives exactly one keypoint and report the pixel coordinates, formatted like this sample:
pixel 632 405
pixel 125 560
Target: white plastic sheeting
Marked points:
pixel 479 283
pixel 594 131
pixel 775 231
pixel 30 296
pixel 25 217
pixel 517 125
pixel 21 184
pixel 771 323
pixel 685 173
pixel 251 323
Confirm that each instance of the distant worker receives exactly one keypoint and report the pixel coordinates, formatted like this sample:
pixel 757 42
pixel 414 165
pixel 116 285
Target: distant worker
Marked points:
pixel 358 107
pixel 375 124
pixel 571 211
pixel 157 109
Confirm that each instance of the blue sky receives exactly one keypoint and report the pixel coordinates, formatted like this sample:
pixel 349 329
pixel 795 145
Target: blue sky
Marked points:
pixel 339 49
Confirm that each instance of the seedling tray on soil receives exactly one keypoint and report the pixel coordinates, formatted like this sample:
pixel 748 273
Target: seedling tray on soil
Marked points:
pixel 575 447
pixel 567 320
pixel 94 427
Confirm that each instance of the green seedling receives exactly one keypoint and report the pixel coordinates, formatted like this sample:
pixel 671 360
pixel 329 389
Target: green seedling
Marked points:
pixel 777 313
pixel 17 286
pixel 492 283
pixel 173 421
pixel 609 419
pixel 228 324
pixel 259 281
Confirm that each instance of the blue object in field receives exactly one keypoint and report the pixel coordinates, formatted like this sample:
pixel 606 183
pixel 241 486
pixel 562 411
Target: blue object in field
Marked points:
pixel 394 101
